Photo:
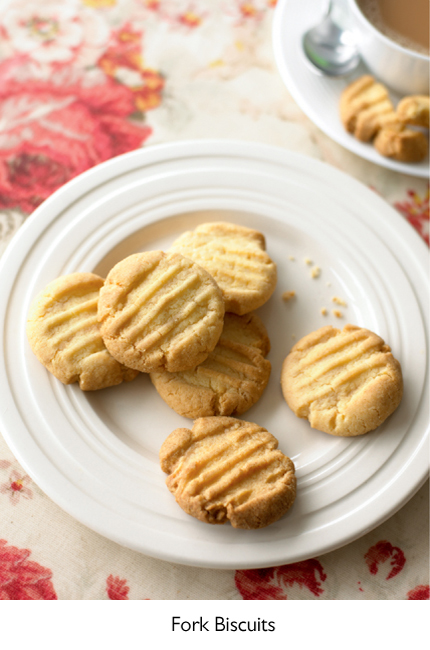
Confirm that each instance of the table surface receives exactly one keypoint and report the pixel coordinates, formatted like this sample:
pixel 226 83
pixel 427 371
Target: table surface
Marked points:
pixel 82 81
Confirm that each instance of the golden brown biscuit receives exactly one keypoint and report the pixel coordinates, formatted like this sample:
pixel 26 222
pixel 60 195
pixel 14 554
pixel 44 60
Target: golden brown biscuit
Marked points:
pixel 160 311
pixel 414 110
pixel 363 104
pixel 229 381
pixel 63 332
pixel 235 256
pixel 401 144
pixel 227 469
pixel 345 383
pixel 367 112
pixel 370 120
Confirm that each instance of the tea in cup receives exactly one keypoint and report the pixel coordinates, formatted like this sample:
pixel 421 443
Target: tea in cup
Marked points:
pixel 393 39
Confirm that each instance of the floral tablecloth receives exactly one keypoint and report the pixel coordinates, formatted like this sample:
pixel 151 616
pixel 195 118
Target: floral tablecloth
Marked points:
pixel 82 81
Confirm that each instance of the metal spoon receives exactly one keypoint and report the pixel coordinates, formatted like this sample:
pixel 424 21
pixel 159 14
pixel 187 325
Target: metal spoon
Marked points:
pixel 329 48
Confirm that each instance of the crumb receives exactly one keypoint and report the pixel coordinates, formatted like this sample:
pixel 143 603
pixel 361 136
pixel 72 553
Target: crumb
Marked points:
pixel 307 260
pixel 315 272
pixel 323 311
pixel 337 313
pixel 293 336
pixel 329 284
pixel 339 301
pixel 292 258
pixel 287 295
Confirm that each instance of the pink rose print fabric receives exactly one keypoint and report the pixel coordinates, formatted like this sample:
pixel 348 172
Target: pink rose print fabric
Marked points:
pixel 57 130
pixel 381 553
pixel 21 578
pixel 382 560
pixel 273 583
pixel 50 32
pixel 116 588
pixel 416 210
pixel 17 486
pixel 422 592
pixel 122 61
pixel 73 93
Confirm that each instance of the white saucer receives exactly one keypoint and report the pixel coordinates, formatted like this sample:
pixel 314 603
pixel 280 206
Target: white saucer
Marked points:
pixel 96 454
pixel 318 95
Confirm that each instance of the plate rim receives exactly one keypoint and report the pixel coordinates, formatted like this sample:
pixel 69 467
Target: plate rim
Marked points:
pixel 186 149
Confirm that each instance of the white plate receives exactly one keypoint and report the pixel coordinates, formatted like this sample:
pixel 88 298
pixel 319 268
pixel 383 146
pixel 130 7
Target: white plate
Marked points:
pixel 96 454
pixel 318 95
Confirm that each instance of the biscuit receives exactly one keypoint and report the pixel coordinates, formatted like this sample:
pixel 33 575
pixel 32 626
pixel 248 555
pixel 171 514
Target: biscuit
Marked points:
pixel 345 383
pixel 367 112
pixel 370 120
pixel 364 106
pixel 236 257
pixel 160 311
pixel 227 469
pixel 229 381
pixel 414 110
pixel 401 144
pixel 64 335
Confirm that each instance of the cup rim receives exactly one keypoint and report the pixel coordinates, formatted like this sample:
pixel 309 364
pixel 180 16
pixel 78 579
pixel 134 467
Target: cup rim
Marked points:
pixel 389 41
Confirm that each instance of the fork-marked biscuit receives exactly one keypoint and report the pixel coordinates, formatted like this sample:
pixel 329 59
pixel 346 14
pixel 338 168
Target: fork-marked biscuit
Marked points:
pixel 364 106
pixel 63 332
pixel 345 383
pixel 160 311
pixel 415 109
pixel 227 469
pixel 229 381
pixel 401 144
pixel 236 257
pixel 367 112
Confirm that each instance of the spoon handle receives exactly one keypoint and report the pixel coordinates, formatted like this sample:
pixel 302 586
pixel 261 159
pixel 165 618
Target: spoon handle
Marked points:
pixel 327 6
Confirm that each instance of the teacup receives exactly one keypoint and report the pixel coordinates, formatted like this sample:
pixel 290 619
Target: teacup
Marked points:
pixel 403 70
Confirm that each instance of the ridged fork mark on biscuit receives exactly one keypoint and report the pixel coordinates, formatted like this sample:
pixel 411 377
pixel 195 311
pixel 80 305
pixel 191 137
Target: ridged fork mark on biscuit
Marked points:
pixel 241 479
pixel 150 320
pixel 354 383
pixel 174 328
pixel 59 318
pixel 331 364
pixel 62 334
pixel 89 342
pixel 219 443
pixel 132 303
pixel 233 473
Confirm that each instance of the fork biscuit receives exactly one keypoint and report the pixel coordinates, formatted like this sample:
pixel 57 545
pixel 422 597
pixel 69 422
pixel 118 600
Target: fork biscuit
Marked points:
pixel 367 113
pixel 401 144
pixel 345 383
pixel 371 120
pixel 63 332
pixel 224 469
pixel 160 311
pixel 229 381
pixel 236 257
pixel 364 105
pixel 414 110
